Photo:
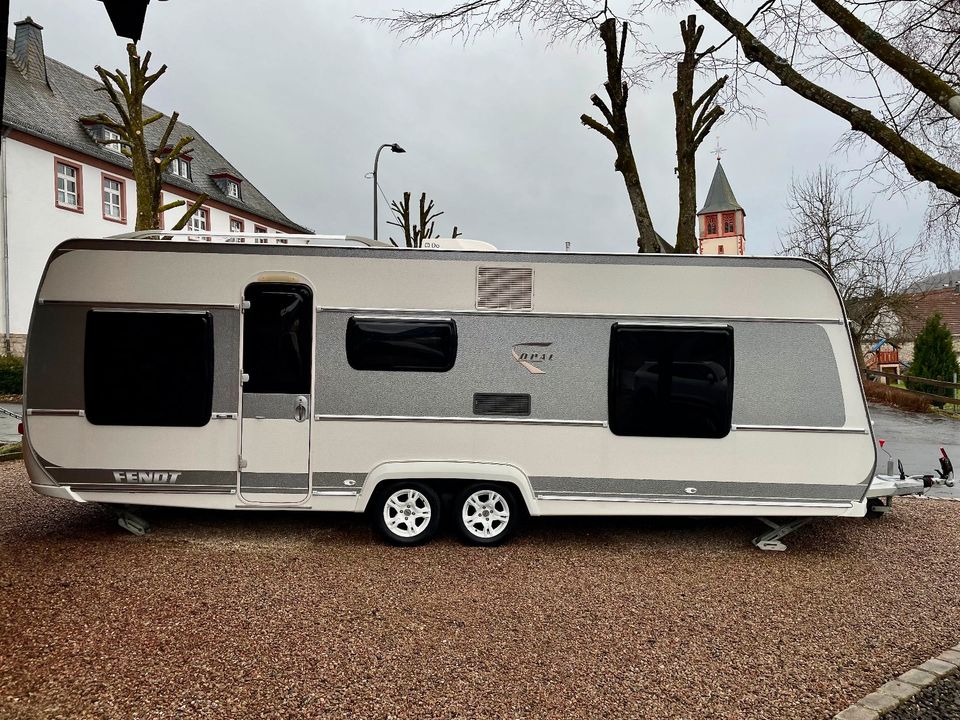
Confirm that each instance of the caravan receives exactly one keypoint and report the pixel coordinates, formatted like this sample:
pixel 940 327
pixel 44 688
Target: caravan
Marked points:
pixel 340 374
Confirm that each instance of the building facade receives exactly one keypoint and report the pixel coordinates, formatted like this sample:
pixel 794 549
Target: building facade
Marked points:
pixel 721 220
pixel 57 181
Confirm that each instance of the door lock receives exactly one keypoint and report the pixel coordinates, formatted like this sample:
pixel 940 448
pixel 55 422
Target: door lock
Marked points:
pixel 300 412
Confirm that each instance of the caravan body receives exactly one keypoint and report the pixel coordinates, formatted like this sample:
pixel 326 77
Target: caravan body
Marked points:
pixel 316 376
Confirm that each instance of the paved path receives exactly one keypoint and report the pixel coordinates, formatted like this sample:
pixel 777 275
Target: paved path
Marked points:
pixel 916 440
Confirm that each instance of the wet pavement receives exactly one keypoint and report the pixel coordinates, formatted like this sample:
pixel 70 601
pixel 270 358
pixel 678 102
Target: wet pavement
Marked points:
pixel 916 440
pixel 8 425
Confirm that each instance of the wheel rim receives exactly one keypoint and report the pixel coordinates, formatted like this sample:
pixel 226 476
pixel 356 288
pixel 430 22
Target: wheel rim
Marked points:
pixel 407 512
pixel 486 514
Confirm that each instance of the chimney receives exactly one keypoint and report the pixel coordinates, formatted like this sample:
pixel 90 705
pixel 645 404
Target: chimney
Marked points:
pixel 28 51
pixel 956 287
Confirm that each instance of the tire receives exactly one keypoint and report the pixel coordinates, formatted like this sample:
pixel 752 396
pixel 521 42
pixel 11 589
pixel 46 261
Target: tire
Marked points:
pixel 407 513
pixel 486 514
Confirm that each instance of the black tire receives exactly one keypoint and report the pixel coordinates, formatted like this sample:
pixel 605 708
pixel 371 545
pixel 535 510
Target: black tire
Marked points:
pixel 495 499
pixel 404 496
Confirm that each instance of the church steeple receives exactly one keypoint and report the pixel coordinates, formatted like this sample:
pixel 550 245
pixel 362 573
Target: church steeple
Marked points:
pixel 721 219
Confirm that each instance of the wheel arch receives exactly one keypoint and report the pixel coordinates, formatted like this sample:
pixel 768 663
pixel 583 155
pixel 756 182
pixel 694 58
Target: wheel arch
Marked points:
pixel 436 471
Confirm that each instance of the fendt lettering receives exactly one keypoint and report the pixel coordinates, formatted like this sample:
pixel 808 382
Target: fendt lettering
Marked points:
pixel 156 477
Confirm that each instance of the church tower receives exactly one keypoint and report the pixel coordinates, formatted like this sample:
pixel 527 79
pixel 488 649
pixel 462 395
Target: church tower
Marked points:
pixel 721 219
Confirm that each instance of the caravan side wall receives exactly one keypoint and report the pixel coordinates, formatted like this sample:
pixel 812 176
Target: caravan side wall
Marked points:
pixel 800 441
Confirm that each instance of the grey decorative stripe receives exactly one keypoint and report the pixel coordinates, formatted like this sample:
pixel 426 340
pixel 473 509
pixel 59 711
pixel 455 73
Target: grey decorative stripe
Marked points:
pixel 440 419
pixel 337 480
pixel 171 479
pixel 124 488
pixel 273 482
pixel 692 501
pixel 695 488
pixel 54 412
pixel 275 406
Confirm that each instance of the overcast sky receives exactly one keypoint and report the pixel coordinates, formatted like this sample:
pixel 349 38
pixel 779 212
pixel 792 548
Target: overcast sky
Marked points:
pixel 299 94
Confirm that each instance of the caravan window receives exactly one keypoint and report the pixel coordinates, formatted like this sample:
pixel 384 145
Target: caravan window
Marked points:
pixel 148 368
pixel 671 381
pixel 403 345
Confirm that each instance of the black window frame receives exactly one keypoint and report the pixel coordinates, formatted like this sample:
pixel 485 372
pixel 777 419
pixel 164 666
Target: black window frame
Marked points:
pixel 110 355
pixel 353 344
pixel 667 407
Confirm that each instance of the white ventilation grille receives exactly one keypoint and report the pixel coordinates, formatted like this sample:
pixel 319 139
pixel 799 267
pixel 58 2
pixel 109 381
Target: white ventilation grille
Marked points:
pixel 502 288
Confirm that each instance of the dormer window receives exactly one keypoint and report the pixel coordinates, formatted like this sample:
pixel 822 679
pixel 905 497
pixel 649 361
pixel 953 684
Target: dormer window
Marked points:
pixel 108 134
pixel 181 167
pixel 228 182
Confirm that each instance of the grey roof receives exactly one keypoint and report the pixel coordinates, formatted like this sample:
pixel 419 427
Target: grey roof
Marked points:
pixel 53 113
pixel 720 197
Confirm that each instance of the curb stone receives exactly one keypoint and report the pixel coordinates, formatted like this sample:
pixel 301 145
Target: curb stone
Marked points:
pixel 894 693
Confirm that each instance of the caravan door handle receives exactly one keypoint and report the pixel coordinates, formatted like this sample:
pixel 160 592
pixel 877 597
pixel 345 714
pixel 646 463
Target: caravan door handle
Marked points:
pixel 300 412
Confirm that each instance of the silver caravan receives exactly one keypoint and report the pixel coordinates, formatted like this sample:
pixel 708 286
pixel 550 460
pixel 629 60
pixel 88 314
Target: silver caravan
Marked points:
pixel 342 375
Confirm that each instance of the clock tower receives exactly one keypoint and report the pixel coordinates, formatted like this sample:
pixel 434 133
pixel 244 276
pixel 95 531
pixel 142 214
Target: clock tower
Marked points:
pixel 721 219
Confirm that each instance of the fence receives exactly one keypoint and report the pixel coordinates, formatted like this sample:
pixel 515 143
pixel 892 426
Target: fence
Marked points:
pixel 910 378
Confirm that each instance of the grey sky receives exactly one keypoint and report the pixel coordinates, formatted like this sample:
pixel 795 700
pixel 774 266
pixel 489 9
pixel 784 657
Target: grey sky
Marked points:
pixel 299 94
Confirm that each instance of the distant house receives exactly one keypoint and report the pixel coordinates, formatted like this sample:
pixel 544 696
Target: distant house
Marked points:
pixel 57 182
pixel 921 306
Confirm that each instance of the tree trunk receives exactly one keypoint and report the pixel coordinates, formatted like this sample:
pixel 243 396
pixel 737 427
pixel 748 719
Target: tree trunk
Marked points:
pixel 617 131
pixel 686 156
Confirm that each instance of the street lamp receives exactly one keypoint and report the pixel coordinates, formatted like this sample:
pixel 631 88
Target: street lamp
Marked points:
pixel 393 148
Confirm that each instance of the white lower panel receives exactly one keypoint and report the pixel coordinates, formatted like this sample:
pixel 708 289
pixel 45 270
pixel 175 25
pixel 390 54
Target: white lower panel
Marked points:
pixel 275 446
pixel 75 442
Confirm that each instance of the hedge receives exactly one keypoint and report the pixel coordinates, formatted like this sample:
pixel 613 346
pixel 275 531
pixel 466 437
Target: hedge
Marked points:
pixel 11 375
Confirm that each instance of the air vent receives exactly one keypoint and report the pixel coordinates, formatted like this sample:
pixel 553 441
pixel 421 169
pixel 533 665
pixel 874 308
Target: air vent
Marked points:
pixel 500 404
pixel 503 288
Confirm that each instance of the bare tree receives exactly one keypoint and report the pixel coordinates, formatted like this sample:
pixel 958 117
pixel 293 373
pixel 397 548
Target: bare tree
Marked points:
pixel 417 228
pixel 616 129
pixel 126 93
pixel 694 120
pixel 903 56
pixel 871 271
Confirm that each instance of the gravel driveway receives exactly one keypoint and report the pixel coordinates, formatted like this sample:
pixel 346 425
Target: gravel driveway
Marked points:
pixel 273 615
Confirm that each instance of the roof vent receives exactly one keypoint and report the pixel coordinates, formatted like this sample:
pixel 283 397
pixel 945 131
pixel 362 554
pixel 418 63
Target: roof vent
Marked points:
pixel 504 288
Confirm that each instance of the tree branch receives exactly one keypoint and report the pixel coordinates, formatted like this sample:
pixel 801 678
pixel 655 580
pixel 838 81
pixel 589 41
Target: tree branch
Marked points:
pixel 599 127
pixel 919 164
pixel 927 82
pixel 182 222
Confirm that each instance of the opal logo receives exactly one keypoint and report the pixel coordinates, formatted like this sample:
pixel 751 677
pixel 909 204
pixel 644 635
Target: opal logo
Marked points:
pixel 533 356
pixel 147 477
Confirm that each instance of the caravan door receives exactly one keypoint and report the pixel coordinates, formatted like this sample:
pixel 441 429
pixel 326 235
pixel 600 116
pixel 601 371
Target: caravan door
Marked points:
pixel 277 377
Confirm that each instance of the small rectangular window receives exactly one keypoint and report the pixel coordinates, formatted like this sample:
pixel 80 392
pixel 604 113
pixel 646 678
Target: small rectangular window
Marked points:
pixel 260 230
pixel 148 368
pixel 401 344
pixel 711 224
pixel 278 338
pixel 199 221
pixel 114 200
pixel 719 249
pixel 728 225
pixel 69 183
pixel 671 381
pixel 108 134
pixel 181 167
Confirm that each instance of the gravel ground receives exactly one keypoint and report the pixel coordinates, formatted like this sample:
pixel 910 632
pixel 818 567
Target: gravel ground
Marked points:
pixel 940 701
pixel 287 615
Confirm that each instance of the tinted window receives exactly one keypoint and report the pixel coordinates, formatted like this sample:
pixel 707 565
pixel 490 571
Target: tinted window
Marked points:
pixel 278 338
pixel 148 368
pixel 671 382
pixel 405 345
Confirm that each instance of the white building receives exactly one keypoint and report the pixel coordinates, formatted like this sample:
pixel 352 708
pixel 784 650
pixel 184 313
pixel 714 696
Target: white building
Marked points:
pixel 57 182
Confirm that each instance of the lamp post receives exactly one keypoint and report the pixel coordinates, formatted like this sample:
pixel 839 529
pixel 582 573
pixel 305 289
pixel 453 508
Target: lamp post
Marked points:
pixel 393 148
